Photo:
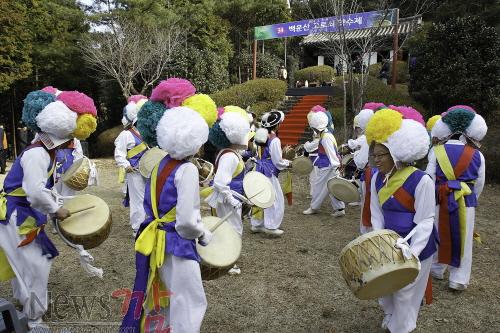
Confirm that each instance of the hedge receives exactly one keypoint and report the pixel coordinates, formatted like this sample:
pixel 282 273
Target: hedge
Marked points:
pixel 261 95
pixel 320 74
pixel 402 75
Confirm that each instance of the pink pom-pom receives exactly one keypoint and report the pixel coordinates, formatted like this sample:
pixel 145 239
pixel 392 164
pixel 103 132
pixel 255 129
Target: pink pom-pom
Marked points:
pixel 409 113
pixel 135 98
pixel 173 92
pixel 50 90
pixel 373 106
pixel 78 102
pixel 220 111
pixel 465 107
pixel 318 108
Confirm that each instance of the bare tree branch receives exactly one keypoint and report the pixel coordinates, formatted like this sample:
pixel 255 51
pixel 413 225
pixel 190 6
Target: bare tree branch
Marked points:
pixel 135 56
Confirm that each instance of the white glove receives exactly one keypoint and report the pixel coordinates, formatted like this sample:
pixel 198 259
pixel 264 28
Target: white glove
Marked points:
pixel 205 238
pixel 405 248
pixel 233 202
pixel 353 144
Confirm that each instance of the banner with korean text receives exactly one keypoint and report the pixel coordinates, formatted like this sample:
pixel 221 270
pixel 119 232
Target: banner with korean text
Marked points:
pixel 326 24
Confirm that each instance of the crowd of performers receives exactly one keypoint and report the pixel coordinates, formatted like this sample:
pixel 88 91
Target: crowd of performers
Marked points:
pixel 435 207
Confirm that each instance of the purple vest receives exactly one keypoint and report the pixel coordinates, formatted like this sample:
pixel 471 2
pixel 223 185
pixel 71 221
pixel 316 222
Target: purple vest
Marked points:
pixel 64 159
pixel 398 218
pixel 265 164
pixel 236 183
pixel 13 181
pixel 468 176
pixel 134 161
pixel 322 161
pixel 176 245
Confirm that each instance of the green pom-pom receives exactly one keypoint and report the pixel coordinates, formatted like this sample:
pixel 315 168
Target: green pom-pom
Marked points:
pixel 458 120
pixel 148 118
pixel 217 137
pixel 34 103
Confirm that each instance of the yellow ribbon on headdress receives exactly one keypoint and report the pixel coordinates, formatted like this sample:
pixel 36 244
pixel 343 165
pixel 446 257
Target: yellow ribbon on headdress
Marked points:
pixel 152 242
pixel 459 195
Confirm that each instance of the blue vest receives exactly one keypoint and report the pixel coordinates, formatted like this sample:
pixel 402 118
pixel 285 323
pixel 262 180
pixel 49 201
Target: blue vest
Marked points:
pixel 400 219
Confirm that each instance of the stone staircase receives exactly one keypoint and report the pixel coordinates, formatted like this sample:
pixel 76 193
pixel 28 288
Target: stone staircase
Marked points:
pixel 295 129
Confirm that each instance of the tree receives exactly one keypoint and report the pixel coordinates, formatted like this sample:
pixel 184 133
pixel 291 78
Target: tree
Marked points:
pixel 134 55
pixel 457 63
pixel 15 43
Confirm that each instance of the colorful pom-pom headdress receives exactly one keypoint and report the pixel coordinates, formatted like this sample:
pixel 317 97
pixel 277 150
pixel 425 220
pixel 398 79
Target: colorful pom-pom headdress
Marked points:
pixel 463 120
pixel 169 94
pixel 406 139
pixel 130 111
pixel 374 106
pixel 363 117
pixel 431 122
pixel 59 116
pixel 232 128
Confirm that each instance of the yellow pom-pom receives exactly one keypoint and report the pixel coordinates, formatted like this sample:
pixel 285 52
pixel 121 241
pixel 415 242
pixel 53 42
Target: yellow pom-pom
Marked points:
pixel 236 109
pixel 432 121
pixel 204 105
pixel 85 125
pixel 383 123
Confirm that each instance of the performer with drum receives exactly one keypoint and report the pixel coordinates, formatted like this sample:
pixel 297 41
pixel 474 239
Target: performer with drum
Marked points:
pixel 402 200
pixel 325 166
pixel 26 252
pixel 270 162
pixel 229 135
pixel 167 262
pixel 458 169
pixel 129 148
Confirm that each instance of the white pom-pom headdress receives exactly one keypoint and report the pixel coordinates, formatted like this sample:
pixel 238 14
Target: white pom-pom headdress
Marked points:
pixel 181 132
pixel 318 121
pixel 364 117
pixel 235 127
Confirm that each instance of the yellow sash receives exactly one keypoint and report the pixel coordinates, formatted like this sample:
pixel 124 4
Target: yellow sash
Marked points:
pixel 6 272
pixel 394 183
pixel 152 241
pixel 447 168
pixel 137 150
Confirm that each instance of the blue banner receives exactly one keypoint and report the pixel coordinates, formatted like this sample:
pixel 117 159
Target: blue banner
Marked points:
pixel 326 24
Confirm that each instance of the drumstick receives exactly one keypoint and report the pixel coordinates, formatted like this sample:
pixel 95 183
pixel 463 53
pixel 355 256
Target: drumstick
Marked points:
pixel 218 224
pixel 81 210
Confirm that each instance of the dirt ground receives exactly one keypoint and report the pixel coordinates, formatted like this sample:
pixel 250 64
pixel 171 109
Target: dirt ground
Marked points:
pixel 290 284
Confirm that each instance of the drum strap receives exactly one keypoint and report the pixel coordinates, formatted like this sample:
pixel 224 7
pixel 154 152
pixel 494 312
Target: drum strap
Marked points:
pixel 137 150
pixel 457 190
pixel 239 168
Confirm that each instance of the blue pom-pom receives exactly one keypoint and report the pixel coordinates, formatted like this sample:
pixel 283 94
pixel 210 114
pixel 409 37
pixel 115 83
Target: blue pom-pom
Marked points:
pixel 34 103
pixel 217 137
pixel 148 118
pixel 458 120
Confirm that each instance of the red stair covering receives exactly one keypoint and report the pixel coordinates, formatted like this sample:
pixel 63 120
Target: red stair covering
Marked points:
pixel 295 122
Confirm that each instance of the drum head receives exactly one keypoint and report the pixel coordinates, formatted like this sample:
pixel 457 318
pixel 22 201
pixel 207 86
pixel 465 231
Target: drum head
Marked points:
pixel 343 189
pixel 259 189
pixel 90 227
pixel 77 175
pixel 224 248
pixel 302 165
pixel 149 160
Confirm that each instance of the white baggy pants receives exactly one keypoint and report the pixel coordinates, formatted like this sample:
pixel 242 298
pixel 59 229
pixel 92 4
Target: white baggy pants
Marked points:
pixel 319 188
pixel 273 216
